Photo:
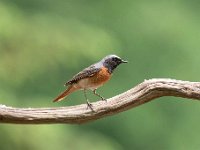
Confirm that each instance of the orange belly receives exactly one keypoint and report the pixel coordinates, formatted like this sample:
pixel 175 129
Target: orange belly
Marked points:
pixel 95 81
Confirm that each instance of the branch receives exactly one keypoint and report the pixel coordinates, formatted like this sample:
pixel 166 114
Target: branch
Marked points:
pixel 140 94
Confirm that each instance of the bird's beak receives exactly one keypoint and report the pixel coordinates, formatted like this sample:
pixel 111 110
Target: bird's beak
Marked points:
pixel 123 61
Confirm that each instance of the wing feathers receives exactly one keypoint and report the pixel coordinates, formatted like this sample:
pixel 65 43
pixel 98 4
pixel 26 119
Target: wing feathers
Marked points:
pixel 87 72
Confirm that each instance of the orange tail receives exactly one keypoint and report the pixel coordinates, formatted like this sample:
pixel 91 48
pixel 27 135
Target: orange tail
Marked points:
pixel 69 90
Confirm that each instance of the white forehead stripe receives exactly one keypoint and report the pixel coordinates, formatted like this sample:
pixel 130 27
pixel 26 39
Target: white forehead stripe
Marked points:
pixel 111 56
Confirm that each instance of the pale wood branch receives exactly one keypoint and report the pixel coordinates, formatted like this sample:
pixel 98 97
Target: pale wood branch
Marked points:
pixel 140 94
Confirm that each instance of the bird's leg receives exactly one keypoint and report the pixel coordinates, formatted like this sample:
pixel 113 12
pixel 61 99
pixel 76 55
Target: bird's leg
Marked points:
pixel 95 93
pixel 88 103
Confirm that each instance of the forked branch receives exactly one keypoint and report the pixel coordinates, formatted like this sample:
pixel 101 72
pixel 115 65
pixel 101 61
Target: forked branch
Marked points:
pixel 140 94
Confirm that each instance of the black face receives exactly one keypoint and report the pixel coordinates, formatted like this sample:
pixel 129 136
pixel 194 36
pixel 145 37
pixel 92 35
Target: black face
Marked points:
pixel 112 61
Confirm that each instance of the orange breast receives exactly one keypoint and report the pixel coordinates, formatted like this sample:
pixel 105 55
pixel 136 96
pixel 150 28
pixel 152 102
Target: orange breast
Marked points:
pixel 100 78
pixel 95 81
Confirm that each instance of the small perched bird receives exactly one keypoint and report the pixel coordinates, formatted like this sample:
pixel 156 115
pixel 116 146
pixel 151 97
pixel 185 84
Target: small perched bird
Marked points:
pixel 92 77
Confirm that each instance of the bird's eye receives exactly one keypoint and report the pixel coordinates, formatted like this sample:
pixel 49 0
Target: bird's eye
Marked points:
pixel 114 59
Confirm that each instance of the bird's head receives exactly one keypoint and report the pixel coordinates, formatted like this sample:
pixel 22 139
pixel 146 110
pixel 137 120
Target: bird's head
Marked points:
pixel 112 61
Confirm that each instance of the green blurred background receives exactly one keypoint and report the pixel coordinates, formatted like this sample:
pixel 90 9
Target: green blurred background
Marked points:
pixel 44 42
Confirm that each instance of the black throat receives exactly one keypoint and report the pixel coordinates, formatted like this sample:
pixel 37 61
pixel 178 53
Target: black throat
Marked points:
pixel 110 66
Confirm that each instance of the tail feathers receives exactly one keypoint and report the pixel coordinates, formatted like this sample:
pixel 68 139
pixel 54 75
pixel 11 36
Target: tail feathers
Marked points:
pixel 69 90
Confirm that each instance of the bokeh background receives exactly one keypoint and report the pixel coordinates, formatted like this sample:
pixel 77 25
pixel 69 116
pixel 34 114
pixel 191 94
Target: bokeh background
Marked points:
pixel 45 42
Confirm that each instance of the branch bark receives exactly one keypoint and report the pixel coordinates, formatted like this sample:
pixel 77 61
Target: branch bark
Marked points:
pixel 140 94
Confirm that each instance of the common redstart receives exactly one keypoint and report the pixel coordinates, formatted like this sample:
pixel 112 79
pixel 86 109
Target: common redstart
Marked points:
pixel 92 77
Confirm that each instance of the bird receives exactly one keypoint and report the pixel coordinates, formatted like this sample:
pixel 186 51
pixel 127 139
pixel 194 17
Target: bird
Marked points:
pixel 92 77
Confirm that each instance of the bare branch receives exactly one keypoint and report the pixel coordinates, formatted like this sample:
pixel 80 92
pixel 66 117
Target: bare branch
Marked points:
pixel 140 94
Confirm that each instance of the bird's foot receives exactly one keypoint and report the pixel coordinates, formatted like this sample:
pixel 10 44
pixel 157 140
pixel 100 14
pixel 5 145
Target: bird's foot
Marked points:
pixel 89 105
pixel 103 99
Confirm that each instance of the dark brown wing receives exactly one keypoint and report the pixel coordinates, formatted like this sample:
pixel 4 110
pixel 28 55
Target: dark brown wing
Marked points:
pixel 87 72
